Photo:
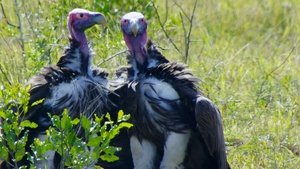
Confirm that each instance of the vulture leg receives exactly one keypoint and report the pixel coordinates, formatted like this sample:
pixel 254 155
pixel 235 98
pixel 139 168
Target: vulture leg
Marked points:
pixel 175 150
pixel 143 153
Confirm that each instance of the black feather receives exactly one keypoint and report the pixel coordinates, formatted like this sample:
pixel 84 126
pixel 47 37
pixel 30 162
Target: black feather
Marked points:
pixel 88 97
pixel 154 116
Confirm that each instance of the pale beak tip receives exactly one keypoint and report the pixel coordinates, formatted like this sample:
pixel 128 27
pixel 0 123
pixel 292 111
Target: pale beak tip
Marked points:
pixel 135 29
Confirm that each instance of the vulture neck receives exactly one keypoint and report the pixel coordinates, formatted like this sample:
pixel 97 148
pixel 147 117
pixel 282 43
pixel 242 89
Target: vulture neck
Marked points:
pixel 84 57
pixel 137 48
pixel 80 37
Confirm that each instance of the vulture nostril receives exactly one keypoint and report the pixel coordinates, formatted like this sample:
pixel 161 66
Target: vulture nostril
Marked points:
pixel 98 15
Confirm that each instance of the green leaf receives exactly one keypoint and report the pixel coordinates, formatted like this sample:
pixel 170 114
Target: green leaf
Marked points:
pixel 120 115
pixel 29 124
pixel 55 120
pixel 125 125
pixel 109 157
pixel 3 152
pixel 2 114
pixel 98 119
pixel 75 121
pixel 108 117
pixel 37 102
pixel 20 154
pixel 66 121
pixel 86 124
pixel 20 148
pixel 94 141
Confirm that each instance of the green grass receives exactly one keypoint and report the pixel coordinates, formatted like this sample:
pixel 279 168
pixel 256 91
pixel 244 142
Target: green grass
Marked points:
pixel 246 54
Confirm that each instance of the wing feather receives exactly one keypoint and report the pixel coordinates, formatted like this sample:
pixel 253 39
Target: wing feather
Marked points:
pixel 209 125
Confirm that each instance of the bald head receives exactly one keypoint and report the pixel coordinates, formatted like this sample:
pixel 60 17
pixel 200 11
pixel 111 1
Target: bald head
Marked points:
pixel 134 29
pixel 80 19
pixel 133 24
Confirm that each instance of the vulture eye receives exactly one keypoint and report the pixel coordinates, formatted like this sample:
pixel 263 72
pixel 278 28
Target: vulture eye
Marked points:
pixel 81 15
pixel 142 20
pixel 125 21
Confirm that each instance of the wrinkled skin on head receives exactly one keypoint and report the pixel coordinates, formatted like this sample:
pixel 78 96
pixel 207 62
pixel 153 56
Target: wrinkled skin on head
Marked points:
pixel 134 29
pixel 78 21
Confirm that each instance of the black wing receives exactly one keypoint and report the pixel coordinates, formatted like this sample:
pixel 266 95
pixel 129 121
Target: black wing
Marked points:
pixel 120 98
pixel 209 125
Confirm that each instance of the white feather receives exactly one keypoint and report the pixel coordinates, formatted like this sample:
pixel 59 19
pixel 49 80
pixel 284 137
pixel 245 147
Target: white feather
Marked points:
pixel 143 153
pixel 163 89
pixel 152 63
pixel 75 88
pixel 175 150
pixel 78 91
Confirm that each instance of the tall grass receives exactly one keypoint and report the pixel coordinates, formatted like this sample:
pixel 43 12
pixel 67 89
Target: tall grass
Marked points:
pixel 246 54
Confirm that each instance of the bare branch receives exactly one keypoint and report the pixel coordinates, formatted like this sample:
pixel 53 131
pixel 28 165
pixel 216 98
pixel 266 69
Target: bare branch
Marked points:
pixel 187 33
pixel 22 41
pixel 184 13
pixel 112 56
pixel 272 71
pixel 29 21
pixel 183 25
pixel 164 30
pixel 5 75
pixel 7 44
pixel 167 12
pixel 283 62
pixel 185 36
pixel 5 17
pixel 187 49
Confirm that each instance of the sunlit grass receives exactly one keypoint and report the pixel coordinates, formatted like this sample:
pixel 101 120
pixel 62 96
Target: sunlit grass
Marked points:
pixel 246 54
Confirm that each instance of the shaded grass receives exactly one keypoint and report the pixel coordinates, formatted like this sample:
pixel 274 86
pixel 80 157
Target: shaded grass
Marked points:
pixel 246 54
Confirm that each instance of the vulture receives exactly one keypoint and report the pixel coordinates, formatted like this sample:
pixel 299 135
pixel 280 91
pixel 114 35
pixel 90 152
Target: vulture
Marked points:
pixel 71 84
pixel 175 125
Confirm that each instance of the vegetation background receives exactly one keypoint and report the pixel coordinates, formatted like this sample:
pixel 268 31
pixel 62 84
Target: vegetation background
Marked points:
pixel 246 54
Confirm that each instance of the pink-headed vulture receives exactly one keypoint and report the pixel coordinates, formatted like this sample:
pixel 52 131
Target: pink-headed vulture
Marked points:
pixel 175 125
pixel 71 84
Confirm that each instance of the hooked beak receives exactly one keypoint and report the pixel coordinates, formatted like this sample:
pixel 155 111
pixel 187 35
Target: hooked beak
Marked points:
pixel 98 18
pixel 134 28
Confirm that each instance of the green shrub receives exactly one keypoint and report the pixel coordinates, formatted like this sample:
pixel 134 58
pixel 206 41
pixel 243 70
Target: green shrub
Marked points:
pixel 62 137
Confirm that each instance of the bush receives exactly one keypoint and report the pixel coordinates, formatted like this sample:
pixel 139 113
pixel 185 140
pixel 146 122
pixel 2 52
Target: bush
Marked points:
pixel 62 137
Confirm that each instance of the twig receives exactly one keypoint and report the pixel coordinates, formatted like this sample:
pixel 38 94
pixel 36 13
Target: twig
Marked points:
pixel 7 44
pixel 272 71
pixel 164 30
pixel 5 75
pixel 29 22
pixel 22 42
pixel 185 37
pixel 5 17
pixel 167 13
pixel 187 49
pixel 186 31
pixel 112 56
pixel 180 7
pixel 284 61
